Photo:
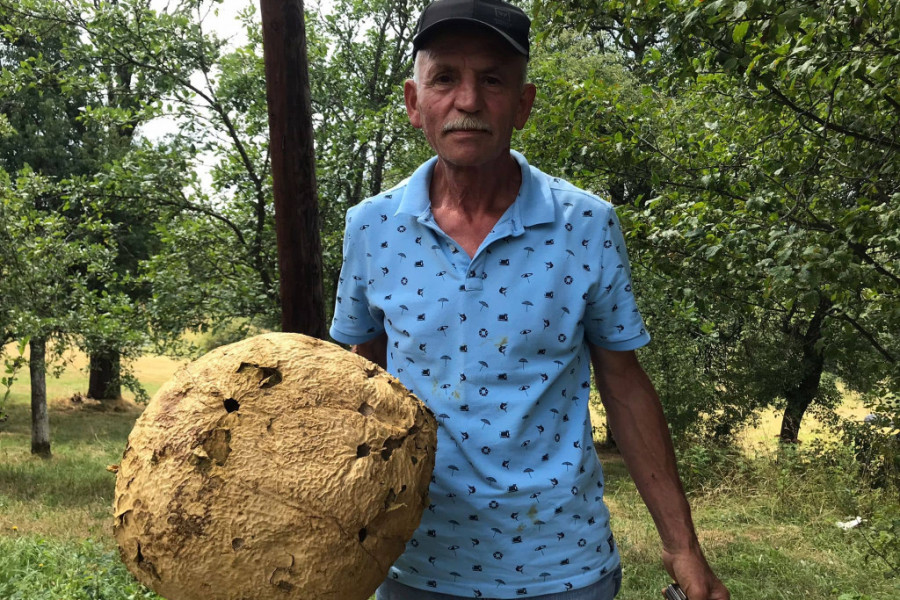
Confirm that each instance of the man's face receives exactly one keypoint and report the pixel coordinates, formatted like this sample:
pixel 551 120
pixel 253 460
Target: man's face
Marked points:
pixel 469 97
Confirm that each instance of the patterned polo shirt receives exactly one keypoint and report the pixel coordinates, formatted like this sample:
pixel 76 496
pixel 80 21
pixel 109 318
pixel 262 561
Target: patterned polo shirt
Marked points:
pixel 497 346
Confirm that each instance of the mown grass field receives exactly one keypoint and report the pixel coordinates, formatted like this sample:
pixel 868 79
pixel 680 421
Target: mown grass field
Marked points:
pixel 769 528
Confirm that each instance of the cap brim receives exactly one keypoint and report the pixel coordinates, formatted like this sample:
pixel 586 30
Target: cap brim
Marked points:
pixel 426 34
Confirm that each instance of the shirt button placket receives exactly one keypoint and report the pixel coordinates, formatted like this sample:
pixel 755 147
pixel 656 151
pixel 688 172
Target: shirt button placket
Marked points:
pixel 474 279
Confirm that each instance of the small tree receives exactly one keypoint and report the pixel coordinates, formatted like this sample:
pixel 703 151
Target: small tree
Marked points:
pixel 46 265
pixel 77 99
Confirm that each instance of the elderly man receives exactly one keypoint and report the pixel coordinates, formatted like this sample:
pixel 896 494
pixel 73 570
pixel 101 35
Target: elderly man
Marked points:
pixel 489 289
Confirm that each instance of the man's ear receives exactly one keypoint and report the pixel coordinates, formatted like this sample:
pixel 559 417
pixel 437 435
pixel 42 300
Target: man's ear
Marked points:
pixel 526 101
pixel 411 97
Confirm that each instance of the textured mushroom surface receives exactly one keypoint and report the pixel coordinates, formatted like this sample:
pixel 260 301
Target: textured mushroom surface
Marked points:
pixel 277 467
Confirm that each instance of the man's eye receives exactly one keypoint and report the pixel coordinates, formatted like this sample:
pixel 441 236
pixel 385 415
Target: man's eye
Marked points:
pixel 492 80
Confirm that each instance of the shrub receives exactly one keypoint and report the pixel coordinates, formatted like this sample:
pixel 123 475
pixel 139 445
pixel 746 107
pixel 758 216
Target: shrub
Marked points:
pixel 227 332
pixel 883 535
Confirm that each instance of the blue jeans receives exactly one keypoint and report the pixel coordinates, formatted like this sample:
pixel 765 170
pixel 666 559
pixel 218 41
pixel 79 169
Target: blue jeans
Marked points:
pixel 605 589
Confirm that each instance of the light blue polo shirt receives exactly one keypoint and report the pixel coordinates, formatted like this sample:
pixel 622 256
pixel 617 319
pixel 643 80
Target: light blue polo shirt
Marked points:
pixel 497 346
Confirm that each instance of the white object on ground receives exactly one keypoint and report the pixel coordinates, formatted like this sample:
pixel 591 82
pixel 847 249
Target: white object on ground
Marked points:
pixel 848 525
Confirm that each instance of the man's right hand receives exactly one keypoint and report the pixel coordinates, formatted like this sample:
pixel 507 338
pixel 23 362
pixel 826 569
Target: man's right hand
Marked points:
pixel 694 575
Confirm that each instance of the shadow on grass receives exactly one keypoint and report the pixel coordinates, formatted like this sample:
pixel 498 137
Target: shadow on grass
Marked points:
pixel 614 472
pixel 83 443
pixel 71 426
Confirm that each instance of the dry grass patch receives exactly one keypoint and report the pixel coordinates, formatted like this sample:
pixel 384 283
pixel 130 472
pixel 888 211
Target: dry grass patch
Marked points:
pixel 151 371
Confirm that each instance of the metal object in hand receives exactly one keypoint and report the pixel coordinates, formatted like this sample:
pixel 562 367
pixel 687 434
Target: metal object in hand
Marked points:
pixel 674 592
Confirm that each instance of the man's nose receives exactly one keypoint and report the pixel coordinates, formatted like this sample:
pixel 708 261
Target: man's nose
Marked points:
pixel 468 96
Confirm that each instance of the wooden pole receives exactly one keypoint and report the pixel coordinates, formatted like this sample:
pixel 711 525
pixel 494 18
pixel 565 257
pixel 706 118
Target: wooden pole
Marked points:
pixel 291 142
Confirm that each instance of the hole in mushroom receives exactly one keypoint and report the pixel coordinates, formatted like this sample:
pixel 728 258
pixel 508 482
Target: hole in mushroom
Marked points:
pixel 231 404
pixel 237 543
pixel 365 410
pixel 270 377
pixel 390 498
pixel 362 450
pixel 390 445
pixel 362 535
pixel 145 564
pixel 124 520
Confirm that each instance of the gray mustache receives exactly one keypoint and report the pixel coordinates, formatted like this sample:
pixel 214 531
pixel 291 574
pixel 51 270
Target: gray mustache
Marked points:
pixel 466 123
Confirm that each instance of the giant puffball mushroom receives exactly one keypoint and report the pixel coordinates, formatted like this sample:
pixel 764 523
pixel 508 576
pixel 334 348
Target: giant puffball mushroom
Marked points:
pixel 277 467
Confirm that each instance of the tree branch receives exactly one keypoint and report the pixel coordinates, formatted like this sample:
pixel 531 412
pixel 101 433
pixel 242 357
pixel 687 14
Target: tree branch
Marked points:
pixel 860 251
pixel 869 336
pixel 878 141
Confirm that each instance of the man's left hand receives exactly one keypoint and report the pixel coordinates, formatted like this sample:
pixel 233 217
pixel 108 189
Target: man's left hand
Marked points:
pixel 690 569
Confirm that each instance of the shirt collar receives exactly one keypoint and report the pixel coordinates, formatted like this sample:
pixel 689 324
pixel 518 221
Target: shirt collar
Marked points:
pixel 533 205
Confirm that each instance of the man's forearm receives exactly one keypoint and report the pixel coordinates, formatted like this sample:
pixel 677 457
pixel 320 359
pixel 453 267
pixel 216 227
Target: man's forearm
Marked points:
pixel 642 436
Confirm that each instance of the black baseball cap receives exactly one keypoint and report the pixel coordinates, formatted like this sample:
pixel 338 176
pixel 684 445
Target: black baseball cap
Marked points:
pixel 509 21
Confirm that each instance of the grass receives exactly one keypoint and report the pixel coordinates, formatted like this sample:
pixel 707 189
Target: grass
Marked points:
pixel 35 568
pixel 767 526
pixel 762 545
pixel 55 515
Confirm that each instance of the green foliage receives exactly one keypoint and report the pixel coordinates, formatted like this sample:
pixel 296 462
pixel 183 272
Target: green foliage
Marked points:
pixel 50 263
pixel 877 448
pixel 215 258
pixel 197 250
pixel 883 536
pixel 11 367
pixel 789 480
pixel 191 254
pixel 757 170
pixel 226 333
pixel 46 259
pixel 799 484
pixel 360 54
pixel 74 105
pixel 875 445
pixel 32 568
pixel 858 476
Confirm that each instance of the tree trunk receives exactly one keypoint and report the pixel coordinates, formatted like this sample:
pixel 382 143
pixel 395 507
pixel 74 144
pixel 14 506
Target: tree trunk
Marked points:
pixel 40 419
pixel 293 167
pixel 609 442
pixel 104 383
pixel 812 363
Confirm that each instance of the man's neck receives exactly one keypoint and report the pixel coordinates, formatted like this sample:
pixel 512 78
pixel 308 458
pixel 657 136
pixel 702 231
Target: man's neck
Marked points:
pixel 475 191
pixel 468 202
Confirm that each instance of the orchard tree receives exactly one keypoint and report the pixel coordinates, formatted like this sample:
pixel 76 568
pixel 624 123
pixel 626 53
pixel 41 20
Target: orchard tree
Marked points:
pixel 767 142
pixel 210 251
pixel 218 256
pixel 360 55
pixel 74 103
pixel 45 269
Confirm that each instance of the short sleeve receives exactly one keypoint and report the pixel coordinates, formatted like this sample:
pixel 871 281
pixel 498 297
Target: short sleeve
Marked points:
pixel 355 321
pixel 612 319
